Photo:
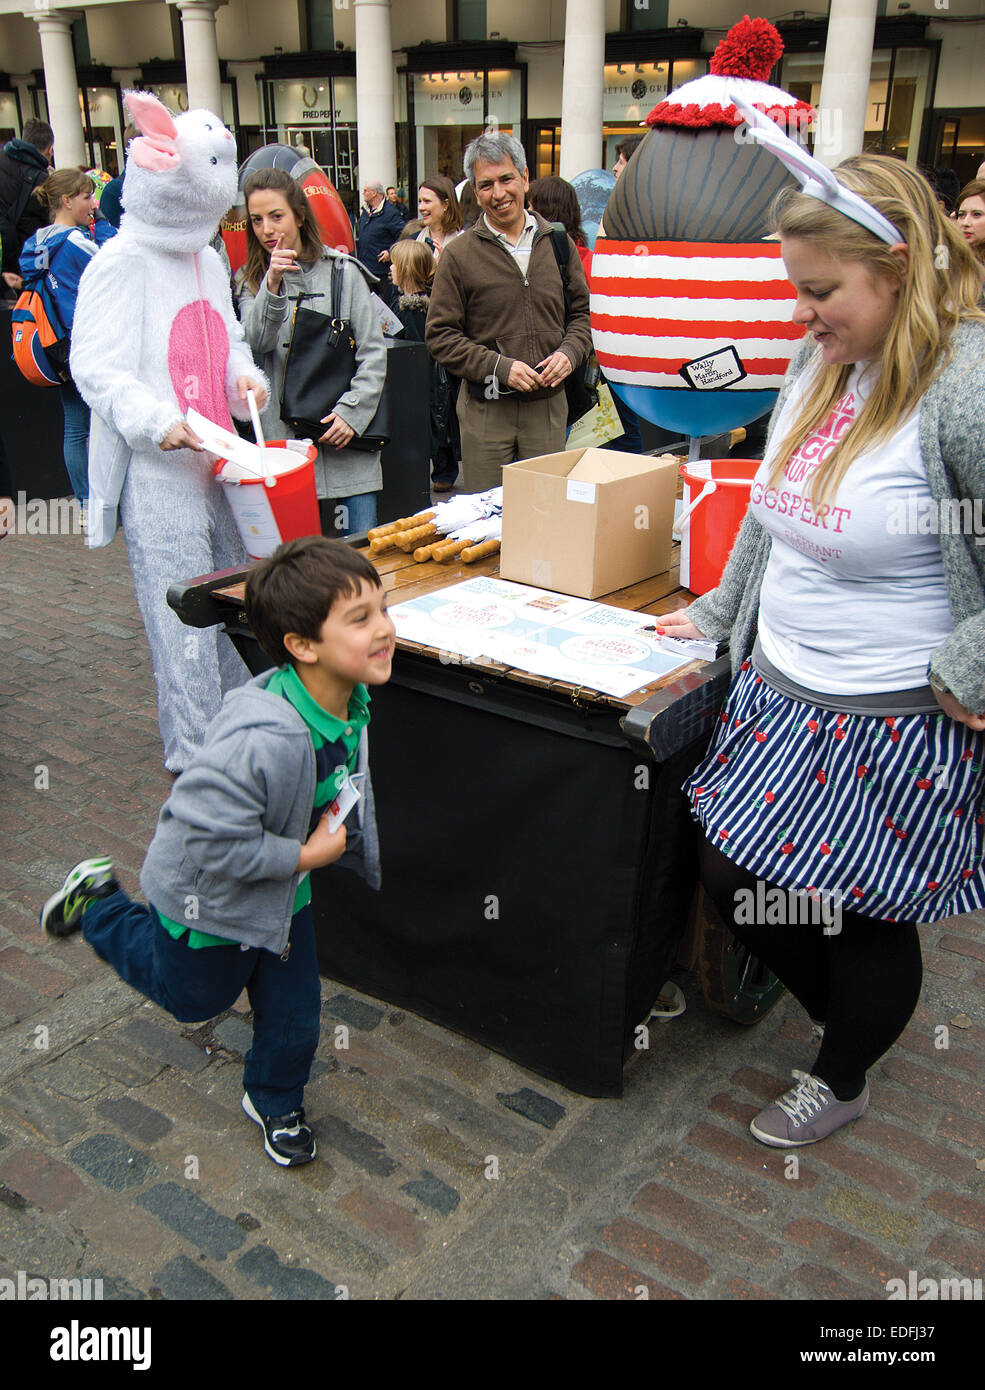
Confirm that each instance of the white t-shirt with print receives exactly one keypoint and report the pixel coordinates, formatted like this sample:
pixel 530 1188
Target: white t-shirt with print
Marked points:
pixel 855 600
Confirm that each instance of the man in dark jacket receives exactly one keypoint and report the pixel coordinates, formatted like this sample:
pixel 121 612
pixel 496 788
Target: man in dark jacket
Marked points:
pixel 380 226
pixel 498 320
pixel 24 164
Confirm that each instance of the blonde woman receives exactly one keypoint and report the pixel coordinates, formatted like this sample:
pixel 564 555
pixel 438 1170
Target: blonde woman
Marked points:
pixel 413 274
pixel 846 771
pixel 57 255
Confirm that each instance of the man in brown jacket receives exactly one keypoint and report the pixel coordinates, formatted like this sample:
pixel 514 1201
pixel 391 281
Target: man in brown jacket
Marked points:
pixel 497 319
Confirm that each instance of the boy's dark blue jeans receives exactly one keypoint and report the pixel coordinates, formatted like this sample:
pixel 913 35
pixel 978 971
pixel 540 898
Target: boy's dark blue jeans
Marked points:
pixel 193 985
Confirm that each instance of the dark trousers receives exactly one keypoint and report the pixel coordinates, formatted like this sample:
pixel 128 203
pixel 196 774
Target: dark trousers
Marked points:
pixel 862 982
pixel 193 985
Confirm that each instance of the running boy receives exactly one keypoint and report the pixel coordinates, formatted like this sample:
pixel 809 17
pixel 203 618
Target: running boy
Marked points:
pixel 226 874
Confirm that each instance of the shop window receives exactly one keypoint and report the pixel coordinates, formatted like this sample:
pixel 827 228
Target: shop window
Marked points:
pixel 645 14
pixel 959 142
pixel 9 116
pixel 899 80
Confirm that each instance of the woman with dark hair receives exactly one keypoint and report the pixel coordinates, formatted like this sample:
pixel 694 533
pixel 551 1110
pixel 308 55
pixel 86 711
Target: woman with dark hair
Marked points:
pixel 556 200
pixel 287 262
pixel 468 205
pixel 437 206
pixel 971 217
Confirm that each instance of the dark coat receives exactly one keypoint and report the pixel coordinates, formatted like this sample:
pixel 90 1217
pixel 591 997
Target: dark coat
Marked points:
pixel 20 163
pixel 377 232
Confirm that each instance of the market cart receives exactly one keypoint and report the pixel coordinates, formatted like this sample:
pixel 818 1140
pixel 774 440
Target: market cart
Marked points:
pixel 539 865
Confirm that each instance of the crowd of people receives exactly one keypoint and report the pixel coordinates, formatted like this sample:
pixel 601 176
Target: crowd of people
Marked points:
pixel 849 760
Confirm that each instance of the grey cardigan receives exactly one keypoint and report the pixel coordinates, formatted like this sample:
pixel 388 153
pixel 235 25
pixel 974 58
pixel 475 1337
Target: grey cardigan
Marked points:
pixel 224 854
pixel 952 446
pixel 267 321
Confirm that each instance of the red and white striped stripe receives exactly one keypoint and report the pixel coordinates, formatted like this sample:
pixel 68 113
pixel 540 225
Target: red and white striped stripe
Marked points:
pixel 658 304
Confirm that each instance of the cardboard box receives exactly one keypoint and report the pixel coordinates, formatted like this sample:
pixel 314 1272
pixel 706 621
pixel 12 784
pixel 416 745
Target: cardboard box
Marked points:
pixel 588 521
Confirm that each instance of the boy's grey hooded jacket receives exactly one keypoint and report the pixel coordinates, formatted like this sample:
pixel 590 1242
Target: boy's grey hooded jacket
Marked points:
pixel 224 854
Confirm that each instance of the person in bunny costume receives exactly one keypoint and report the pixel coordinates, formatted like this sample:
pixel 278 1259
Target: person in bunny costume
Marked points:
pixel 154 334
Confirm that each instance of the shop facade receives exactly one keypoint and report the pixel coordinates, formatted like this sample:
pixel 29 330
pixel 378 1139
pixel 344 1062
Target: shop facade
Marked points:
pixel 447 82
pixel 309 103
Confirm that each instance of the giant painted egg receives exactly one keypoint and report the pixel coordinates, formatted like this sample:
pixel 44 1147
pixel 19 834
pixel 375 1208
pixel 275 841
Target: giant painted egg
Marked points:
pixel 690 302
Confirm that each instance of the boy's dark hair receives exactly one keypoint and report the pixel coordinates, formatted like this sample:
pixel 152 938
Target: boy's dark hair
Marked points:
pixel 295 589
pixel 629 146
pixel 39 134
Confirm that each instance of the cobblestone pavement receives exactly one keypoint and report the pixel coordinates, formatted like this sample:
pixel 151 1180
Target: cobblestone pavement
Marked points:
pixel 443 1170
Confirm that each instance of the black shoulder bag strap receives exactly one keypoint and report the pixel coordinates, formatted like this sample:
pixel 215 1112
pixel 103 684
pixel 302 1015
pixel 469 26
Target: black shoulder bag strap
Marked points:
pixel 581 383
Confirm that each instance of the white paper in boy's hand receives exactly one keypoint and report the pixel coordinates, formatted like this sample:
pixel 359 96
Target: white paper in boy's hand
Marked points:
pixel 346 797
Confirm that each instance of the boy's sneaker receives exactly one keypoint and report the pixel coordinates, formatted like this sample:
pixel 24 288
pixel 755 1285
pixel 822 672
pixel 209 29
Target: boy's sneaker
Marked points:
pixel 62 913
pixel 286 1138
pixel 806 1113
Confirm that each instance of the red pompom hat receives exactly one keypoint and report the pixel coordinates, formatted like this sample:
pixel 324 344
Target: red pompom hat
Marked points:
pixel 743 60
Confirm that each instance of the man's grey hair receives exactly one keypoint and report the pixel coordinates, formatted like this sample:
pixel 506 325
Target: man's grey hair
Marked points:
pixel 375 186
pixel 493 149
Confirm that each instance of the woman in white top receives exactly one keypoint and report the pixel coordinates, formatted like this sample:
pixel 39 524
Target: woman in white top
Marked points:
pixel 841 801
pixel 437 207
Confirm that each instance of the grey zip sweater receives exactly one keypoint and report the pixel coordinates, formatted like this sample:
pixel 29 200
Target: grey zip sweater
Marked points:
pixel 952 446
pixel 224 854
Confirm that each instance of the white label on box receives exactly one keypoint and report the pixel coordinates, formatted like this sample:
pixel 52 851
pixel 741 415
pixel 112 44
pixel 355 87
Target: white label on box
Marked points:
pixel 580 492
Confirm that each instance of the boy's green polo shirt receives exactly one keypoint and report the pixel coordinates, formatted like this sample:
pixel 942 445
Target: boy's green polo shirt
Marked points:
pixel 336 745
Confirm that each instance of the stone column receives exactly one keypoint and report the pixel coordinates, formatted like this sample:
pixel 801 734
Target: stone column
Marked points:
pixel 845 80
pixel 377 148
pixel 61 84
pixel 201 55
pixel 581 91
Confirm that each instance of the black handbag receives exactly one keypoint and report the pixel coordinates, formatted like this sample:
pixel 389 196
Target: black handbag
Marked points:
pixel 581 385
pixel 321 362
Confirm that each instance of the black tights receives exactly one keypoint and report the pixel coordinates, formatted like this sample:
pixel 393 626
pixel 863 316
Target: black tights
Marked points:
pixel 862 983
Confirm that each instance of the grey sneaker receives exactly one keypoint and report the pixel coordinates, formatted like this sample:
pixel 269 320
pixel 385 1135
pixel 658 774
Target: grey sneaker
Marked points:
pixel 806 1113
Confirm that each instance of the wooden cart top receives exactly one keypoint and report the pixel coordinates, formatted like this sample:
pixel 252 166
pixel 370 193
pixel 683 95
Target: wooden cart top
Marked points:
pixel 403 578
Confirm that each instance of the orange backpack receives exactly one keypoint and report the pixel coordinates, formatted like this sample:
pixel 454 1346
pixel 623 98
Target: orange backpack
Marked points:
pixel 41 344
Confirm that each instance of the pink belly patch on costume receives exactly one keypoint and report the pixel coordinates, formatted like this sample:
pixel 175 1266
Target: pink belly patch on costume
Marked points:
pixel 198 351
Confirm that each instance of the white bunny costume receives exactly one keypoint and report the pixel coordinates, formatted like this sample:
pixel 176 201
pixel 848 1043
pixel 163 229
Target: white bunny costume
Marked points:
pixel 155 333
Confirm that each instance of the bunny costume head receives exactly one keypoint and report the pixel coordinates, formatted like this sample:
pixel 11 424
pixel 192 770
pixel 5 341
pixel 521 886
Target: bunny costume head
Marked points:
pixel 180 177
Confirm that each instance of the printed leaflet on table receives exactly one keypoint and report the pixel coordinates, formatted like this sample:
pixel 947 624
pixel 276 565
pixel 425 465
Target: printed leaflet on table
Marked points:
pixel 548 634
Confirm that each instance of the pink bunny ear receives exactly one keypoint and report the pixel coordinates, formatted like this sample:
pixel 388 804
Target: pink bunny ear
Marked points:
pixel 154 149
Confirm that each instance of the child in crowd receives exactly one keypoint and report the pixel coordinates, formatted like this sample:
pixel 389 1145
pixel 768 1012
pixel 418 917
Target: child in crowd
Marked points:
pixel 412 271
pixel 226 874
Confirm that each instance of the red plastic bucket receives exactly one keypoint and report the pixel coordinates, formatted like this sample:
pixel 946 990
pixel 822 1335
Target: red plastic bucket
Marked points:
pixel 284 510
pixel 716 495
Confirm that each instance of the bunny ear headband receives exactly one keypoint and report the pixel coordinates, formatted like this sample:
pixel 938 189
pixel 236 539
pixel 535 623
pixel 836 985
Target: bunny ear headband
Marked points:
pixel 815 179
